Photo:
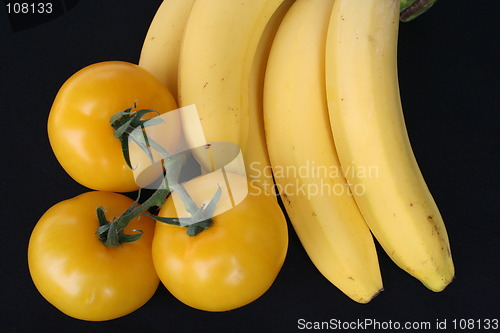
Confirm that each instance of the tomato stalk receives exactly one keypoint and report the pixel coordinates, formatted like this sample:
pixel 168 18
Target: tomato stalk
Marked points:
pixel 111 232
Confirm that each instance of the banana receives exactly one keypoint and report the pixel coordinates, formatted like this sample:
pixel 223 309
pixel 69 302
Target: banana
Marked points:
pixel 217 73
pixel 366 117
pixel 256 153
pixel 161 47
pixel 306 168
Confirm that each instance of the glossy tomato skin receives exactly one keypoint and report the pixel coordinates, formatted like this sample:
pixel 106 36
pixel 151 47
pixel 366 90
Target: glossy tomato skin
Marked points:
pixel 77 273
pixel 230 264
pixel 79 130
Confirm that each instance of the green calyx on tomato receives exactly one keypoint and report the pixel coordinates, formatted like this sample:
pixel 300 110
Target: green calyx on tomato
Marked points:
pixel 124 123
pixel 111 233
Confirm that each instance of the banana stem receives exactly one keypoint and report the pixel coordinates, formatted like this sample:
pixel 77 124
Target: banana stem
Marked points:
pixel 411 9
pixel 406 3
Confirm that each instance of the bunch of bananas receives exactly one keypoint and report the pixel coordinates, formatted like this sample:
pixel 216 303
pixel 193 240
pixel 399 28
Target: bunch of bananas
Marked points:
pixel 309 90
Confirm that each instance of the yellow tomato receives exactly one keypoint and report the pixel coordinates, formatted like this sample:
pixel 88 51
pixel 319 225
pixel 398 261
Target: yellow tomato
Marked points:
pixel 79 129
pixel 77 273
pixel 230 264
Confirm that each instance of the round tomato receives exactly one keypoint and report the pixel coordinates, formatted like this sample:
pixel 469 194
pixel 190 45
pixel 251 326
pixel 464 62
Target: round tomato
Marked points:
pixel 234 261
pixel 79 121
pixel 81 276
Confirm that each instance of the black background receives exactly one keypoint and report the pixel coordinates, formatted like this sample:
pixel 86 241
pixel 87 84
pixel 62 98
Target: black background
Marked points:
pixel 448 67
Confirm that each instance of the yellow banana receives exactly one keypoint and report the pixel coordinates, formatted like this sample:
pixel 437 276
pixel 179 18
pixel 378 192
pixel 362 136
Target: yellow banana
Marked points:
pixel 161 47
pixel 372 142
pixel 217 73
pixel 302 152
pixel 256 153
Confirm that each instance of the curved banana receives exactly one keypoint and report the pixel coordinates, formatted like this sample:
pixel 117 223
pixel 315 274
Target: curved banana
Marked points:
pixel 256 153
pixel 161 47
pixel 302 152
pixel 372 142
pixel 216 68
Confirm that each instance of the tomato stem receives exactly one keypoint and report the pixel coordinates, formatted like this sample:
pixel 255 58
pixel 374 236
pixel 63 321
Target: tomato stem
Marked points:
pixel 111 232
pixel 202 215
